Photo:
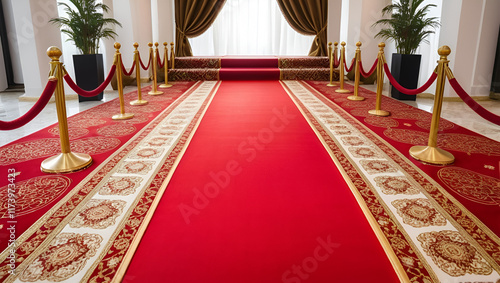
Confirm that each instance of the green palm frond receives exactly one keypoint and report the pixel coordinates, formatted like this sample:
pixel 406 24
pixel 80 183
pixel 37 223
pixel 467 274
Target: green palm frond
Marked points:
pixel 85 24
pixel 407 24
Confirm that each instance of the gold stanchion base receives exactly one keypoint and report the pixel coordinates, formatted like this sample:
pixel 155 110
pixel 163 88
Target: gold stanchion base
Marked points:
pixel 341 90
pixel 355 98
pixel 432 155
pixel 124 116
pixel 381 113
pixel 332 84
pixel 155 92
pixel 165 85
pixel 138 102
pixel 66 163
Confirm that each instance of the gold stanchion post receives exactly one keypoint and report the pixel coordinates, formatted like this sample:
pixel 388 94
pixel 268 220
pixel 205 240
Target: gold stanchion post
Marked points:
pixel 165 66
pixel 341 71
pixel 431 153
pixel 139 100
pixel 172 55
pixel 66 161
pixel 357 74
pixel 330 57
pixel 155 90
pixel 119 80
pixel 380 83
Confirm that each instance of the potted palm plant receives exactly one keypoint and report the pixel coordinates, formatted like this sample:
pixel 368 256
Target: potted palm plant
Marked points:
pixel 86 25
pixel 408 25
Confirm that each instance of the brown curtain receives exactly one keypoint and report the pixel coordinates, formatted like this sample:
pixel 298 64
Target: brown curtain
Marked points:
pixel 192 18
pixel 308 17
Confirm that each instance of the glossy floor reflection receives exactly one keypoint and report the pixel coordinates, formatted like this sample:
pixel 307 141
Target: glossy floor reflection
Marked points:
pixel 11 108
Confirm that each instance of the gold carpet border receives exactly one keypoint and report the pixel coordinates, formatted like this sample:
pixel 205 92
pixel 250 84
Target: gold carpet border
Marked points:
pixel 41 221
pixel 149 215
pixel 478 222
pixel 78 189
pixel 195 119
pixel 451 220
pixel 395 262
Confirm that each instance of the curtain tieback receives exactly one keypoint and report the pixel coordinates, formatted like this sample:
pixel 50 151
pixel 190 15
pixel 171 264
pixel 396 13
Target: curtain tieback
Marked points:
pixel 180 31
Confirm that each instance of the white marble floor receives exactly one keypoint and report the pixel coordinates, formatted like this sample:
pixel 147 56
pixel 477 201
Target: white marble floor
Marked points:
pixel 11 108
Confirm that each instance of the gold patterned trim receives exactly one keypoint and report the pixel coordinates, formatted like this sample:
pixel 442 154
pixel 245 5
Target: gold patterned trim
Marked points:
pixel 396 264
pixel 477 236
pixel 120 273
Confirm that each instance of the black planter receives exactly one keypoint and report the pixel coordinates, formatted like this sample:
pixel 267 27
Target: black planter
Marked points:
pixel 405 69
pixel 89 73
pixel 495 80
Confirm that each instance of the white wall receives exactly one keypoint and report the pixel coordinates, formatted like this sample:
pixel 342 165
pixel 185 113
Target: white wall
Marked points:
pixel 357 21
pixel 334 16
pixel 163 23
pixel 34 36
pixel 470 28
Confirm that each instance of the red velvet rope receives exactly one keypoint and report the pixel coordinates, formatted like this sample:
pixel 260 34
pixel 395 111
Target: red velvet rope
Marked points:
pixel 336 62
pixel 480 110
pixel 402 89
pixel 142 64
pixel 160 64
pixel 129 73
pixel 352 65
pixel 34 111
pixel 369 73
pixel 94 92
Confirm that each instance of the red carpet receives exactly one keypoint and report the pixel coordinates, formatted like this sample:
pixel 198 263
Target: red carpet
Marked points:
pixel 256 198
pixel 249 68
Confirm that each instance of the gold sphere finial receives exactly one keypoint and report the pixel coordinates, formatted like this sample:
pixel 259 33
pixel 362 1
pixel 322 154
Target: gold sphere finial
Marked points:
pixel 54 53
pixel 156 44
pixel 342 43
pixel 165 44
pixel 330 43
pixel 172 43
pixel 335 43
pixel 381 44
pixel 150 44
pixel 117 46
pixel 136 45
pixel 444 50
pixel 358 44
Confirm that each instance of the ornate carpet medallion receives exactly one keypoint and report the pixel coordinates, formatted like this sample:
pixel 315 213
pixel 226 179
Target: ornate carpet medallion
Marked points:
pixel 74 133
pixel 98 214
pixel 116 130
pixel 431 237
pixel 418 212
pixel 34 194
pixel 471 185
pixel 392 185
pixel 453 254
pixel 451 141
pixel 67 255
pixel 377 166
pixel 121 186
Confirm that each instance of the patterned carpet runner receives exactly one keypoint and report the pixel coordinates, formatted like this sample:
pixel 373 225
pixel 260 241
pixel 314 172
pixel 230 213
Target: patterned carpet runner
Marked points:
pixel 250 68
